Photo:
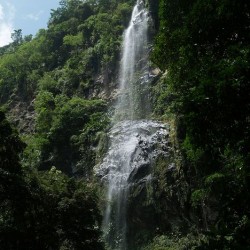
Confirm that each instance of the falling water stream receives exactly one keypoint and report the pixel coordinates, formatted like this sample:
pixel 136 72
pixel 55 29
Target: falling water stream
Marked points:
pixel 133 137
pixel 133 101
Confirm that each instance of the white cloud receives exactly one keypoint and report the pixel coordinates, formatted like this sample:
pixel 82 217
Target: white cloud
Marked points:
pixel 7 15
pixel 34 16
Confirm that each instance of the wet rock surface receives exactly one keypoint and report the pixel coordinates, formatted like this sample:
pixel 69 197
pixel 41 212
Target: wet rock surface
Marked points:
pixel 134 145
pixel 127 169
pixel 144 184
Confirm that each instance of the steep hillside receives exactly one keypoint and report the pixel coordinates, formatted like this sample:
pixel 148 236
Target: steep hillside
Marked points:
pixel 203 48
pixel 55 89
pixel 58 88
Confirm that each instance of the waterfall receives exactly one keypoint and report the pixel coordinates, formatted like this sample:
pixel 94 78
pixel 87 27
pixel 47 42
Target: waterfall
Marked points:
pixel 132 104
pixel 134 141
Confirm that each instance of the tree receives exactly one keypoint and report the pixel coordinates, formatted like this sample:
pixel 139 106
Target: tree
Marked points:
pixel 17 37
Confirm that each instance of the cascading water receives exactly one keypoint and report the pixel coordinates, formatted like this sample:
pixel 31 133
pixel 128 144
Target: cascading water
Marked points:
pixel 134 141
pixel 133 101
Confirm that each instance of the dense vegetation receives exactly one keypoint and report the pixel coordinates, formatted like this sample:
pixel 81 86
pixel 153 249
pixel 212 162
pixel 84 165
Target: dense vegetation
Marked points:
pixel 43 210
pixel 204 46
pixel 50 87
pixel 56 88
pixel 65 69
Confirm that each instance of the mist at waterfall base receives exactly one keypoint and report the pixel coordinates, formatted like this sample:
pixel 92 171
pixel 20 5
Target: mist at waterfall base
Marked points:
pixel 134 141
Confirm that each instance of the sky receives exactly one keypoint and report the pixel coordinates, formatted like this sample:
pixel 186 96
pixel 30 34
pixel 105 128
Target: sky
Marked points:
pixel 27 15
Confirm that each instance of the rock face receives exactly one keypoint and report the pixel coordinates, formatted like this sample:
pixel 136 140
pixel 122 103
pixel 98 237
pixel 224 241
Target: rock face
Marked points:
pixel 147 192
pixel 127 170
pixel 22 115
pixel 157 204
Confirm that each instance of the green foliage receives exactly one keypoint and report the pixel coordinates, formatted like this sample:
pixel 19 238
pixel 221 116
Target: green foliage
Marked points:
pixel 43 210
pixel 177 242
pixel 45 108
pixel 73 41
pixel 78 120
pixel 203 46
pixel 76 217
pixel 12 186
pixel 11 146
pixel 48 83
pixel 57 210
pixel 77 45
pixel 20 71
pixel 33 151
pixel 56 70
pixel 198 197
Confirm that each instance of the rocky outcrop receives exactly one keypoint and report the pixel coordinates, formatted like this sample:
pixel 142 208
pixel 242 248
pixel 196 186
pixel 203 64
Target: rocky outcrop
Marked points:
pixel 22 115
pixel 158 201
pixel 141 162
